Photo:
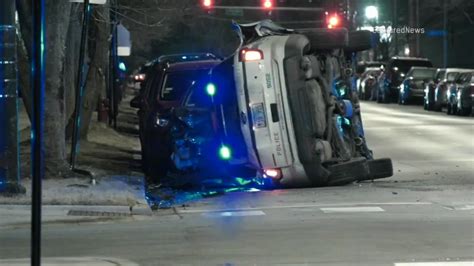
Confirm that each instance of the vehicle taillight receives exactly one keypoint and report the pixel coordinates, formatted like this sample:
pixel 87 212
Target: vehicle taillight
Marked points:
pixel 333 21
pixel 250 55
pixel 139 77
pixel 273 173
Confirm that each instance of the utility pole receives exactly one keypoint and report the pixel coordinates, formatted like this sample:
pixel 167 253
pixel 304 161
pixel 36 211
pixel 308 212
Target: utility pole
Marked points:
pixel 417 21
pixel 445 35
pixel 9 166
pixel 113 65
pixel 37 125
pixel 395 23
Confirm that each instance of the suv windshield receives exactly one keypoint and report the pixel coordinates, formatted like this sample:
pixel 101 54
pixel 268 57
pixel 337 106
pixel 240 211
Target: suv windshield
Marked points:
pixel 177 83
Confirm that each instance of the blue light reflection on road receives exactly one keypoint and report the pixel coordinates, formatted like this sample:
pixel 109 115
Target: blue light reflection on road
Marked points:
pixel 170 194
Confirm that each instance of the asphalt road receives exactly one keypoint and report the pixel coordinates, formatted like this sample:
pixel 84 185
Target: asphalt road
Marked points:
pixel 422 214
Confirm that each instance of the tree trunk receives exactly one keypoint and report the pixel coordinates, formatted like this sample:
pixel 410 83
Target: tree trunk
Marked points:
pixel 57 23
pixel 98 52
pixel 24 53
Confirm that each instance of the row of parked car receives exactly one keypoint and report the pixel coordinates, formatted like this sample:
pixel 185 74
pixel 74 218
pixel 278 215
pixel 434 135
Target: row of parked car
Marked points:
pixel 409 79
pixel 281 106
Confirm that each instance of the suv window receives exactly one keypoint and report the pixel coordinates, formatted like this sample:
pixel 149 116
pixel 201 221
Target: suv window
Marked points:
pixel 198 97
pixel 440 76
pixel 463 77
pixel 452 76
pixel 176 84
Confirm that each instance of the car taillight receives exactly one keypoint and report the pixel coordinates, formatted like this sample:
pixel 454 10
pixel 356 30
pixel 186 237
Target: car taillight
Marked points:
pixel 273 173
pixel 139 77
pixel 250 55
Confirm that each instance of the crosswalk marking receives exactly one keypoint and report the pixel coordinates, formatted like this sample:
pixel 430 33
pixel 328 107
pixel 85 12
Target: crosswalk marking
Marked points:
pixel 351 209
pixel 233 214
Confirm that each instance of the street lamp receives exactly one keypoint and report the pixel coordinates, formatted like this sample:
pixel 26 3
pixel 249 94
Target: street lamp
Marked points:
pixel 371 13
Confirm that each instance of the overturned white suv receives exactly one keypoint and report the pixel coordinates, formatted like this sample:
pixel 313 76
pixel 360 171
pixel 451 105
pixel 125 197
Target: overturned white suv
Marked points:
pixel 299 119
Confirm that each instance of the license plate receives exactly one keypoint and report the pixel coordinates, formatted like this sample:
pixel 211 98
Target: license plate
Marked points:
pixel 258 115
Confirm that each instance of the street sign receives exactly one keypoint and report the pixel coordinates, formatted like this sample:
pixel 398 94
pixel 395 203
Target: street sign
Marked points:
pixel 124 44
pixel 95 2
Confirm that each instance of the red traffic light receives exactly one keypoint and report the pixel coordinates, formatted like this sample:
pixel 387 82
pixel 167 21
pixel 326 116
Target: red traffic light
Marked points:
pixel 267 4
pixel 333 21
pixel 207 3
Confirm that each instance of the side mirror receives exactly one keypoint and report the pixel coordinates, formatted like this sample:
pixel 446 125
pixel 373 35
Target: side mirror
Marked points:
pixel 136 102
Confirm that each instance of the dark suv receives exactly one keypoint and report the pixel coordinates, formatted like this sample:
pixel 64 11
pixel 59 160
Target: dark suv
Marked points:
pixel 394 73
pixel 168 80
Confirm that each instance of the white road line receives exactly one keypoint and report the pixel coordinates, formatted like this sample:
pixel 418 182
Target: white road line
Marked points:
pixel 233 214
pixel 296 206
pixel 352 209
pixel 437 263
pixel 462 208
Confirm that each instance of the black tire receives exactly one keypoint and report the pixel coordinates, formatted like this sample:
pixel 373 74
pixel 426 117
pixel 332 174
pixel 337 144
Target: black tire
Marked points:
pixel 449 110
pixel 158 160
pixel 379 168
pixel 379 98
pixel 348 172
pixel 326 39
pixel 465 111
pixel 428 102
pixel 359 41
pixel 367 93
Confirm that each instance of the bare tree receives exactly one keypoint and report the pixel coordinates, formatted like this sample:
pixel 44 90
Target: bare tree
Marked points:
pixel 57 23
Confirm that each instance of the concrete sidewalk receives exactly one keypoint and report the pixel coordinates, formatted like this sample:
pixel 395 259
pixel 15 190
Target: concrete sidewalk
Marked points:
pixel 20 215
pixel 91 261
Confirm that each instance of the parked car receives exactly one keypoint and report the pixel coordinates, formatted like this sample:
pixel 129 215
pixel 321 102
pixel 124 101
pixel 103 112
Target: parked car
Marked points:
pixel 430 87
pixel 206 138
pixel 367 88
pixel 440 99
pixel 460 94
pixel 168 80
pixel 413 86
pixel 300 121
pixel 363 66
pixel 394 74
pixel 138 76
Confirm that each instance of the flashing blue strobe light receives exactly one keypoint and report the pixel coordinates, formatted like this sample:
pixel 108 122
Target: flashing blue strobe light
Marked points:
pixel 211 89
pixel 225 153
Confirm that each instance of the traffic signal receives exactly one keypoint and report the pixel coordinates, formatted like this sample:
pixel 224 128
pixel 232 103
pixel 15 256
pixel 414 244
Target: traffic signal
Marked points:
pixel 267 4
pixel 207 3
pixel 333 21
